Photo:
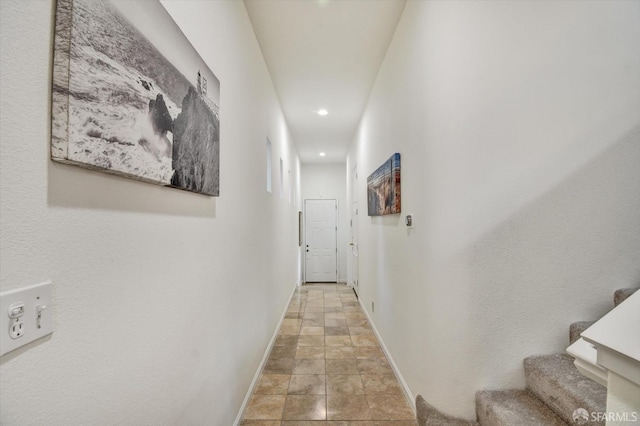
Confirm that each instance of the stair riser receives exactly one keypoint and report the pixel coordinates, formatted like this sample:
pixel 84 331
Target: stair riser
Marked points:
pixel 516 407
pixel 428 415
pixel 486 417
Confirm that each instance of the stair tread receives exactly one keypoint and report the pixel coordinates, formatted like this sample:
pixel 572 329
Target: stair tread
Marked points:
pixel 514 407
pixel 556 381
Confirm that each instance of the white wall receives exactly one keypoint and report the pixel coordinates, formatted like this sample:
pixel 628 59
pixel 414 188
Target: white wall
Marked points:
pixel 519 129
pixel 329 181
pixel 158 319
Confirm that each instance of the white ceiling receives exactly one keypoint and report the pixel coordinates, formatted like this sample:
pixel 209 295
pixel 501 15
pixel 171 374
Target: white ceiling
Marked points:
pixel 324 54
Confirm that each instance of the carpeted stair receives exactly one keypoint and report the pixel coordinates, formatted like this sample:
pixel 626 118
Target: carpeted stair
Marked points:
pixel 428 415
pixel 621 295
pixel 556 382
pixel 576 329
pixel 554 390
pixel 513 407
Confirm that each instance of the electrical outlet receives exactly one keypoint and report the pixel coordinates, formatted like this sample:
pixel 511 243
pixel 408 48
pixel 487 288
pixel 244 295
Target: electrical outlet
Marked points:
pixel 26 314
pixel 16 330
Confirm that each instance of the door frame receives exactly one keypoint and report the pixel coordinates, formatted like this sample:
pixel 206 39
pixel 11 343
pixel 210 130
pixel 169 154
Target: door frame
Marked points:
pixel 304 245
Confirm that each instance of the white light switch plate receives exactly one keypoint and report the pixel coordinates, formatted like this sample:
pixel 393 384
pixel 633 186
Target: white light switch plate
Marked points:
pixel 31 328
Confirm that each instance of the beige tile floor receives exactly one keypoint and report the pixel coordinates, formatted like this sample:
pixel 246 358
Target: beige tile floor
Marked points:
pixel 327 368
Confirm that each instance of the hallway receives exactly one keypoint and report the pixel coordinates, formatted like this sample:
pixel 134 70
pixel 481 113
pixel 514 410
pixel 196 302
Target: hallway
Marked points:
pixel 327 368
pixel 519 135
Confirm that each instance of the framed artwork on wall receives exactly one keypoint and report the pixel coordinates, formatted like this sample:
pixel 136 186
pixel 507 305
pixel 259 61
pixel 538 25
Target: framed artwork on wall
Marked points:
pixel 383 188
pixel 132 97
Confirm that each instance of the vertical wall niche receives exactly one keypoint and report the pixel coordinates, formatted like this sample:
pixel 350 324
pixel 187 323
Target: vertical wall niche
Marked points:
pixel 290 186
pixel 269 174
pixel 281 180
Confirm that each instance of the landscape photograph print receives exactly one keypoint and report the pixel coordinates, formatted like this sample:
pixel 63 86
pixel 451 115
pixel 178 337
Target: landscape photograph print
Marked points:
pixel 132 97
pixel 383 188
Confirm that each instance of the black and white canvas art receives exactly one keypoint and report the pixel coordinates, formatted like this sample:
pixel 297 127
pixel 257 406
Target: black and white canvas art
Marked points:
pixel 131 96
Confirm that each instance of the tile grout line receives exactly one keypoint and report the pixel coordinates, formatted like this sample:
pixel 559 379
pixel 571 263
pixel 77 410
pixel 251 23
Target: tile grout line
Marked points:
pixel 301 311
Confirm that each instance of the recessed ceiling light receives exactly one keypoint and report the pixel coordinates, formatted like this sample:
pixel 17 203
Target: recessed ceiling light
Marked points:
pixel 323 112
pixel 322 154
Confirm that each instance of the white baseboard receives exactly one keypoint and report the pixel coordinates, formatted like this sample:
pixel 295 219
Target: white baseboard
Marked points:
pixel 265 357
pixel 394 366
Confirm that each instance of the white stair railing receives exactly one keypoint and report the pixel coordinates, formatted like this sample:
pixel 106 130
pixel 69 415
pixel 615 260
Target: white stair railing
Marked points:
pixel 609 353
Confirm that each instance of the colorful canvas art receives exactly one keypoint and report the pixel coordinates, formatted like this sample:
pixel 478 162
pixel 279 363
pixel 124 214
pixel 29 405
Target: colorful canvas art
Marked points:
pixel 132 97
pixel 383 188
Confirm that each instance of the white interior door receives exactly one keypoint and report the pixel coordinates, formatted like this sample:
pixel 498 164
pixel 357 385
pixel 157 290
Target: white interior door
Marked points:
pixel 321 250
pixel 354 230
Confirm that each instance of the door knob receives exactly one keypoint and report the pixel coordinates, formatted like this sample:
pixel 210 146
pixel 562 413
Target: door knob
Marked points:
pixel 351 244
